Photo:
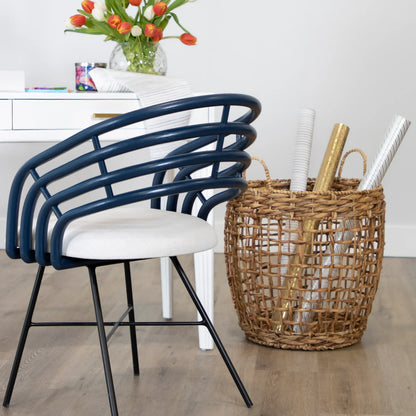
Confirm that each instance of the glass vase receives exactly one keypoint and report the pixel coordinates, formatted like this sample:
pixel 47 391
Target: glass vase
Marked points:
pixel 144 57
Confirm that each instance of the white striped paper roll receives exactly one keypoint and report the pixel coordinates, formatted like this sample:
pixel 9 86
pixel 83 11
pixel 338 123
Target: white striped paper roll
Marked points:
pixel 299 178
pixel 301 158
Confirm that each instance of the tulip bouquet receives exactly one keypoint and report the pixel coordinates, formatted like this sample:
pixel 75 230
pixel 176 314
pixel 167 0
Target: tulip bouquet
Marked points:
pixel 137 25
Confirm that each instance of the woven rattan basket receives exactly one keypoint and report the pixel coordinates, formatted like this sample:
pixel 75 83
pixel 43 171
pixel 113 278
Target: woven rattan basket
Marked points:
pixel 334 269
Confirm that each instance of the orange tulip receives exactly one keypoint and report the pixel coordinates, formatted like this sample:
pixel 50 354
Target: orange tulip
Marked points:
pixel 158 34
pixel 88 6
pixel 149 30
pixel 188 39
pixel 78 20
pixel 124 28
pixel 160 8
pixel 135 2
pixel 114 21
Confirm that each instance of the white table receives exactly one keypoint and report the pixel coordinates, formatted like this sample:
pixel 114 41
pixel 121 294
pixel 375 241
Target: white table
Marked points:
pixel 54 116
pixel 40 117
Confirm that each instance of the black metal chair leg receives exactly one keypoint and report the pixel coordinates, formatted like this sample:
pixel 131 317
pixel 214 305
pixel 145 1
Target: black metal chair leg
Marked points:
pixel 130 305
pixel 213 332
pixel 23 336
pixel 103 342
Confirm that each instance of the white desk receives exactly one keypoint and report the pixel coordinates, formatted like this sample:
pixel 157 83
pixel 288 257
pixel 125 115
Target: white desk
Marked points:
pixel 42 117
pixel 52 117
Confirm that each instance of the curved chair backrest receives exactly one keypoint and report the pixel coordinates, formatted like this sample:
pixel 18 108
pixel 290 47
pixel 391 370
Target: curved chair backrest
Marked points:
pixel 29 215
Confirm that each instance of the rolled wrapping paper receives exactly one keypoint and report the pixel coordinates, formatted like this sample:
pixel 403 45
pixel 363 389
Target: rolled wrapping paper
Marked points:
pixel 323 182
pixel 392 140
pixel 300 170
pixel 301 158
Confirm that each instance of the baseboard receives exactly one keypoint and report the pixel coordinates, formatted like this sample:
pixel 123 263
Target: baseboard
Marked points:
pixel 398 240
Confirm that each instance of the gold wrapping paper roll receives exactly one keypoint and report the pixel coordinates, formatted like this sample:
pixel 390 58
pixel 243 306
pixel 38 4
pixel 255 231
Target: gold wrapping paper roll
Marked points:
pixel 332 157
pixel 323 182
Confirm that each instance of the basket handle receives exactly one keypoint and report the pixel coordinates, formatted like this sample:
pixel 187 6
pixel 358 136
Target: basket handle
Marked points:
pixel 341 166
pixel 266 169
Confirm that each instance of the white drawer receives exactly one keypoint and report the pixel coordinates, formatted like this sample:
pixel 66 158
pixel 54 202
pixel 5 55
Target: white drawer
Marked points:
pixel 58 114
pixel 5 114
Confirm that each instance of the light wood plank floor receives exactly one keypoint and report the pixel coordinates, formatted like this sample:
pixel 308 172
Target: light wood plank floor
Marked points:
pixel 61 372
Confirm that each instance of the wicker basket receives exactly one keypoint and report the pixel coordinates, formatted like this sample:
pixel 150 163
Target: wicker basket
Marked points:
pixel 334 269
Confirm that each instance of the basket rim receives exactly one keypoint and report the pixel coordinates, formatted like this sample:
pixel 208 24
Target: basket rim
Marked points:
pixel 271 184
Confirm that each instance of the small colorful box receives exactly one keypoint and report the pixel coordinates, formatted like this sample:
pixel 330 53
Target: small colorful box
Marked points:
pixel 83 81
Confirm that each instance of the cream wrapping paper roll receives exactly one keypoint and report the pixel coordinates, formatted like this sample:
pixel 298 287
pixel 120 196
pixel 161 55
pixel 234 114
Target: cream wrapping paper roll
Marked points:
pixel 392 140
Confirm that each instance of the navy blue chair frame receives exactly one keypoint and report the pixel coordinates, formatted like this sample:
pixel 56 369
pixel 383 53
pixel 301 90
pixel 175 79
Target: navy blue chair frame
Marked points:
pixel 188 158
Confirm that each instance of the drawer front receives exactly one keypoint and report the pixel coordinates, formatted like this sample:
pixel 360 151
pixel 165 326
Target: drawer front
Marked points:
pixel 5 114
pixel 65 114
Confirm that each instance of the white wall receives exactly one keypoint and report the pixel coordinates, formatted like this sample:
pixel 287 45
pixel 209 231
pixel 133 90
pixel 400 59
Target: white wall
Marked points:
pixel 351 60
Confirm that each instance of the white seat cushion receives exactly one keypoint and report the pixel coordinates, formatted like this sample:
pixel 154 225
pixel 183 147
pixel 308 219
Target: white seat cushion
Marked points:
pixel 134 232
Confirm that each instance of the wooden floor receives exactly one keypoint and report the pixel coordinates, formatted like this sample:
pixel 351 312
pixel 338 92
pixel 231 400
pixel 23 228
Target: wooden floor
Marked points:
pixel 61 372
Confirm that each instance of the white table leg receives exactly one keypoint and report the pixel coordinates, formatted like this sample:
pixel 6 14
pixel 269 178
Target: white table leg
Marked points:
pixel 204 286
pixel 204 279
pixel 166 286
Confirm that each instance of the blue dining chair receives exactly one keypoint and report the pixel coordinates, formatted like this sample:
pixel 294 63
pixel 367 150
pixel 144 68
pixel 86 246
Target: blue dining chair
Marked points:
pixel 69 208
